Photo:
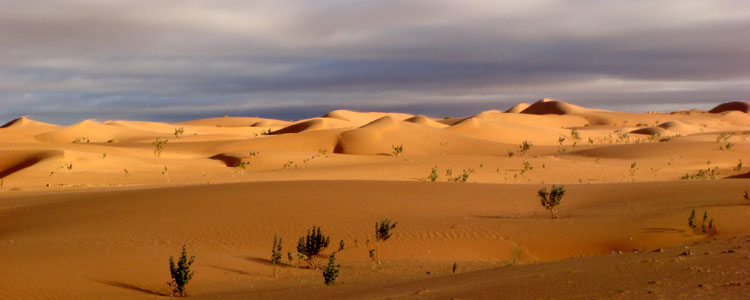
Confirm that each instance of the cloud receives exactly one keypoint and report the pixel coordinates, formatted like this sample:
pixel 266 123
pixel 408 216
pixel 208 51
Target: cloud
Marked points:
pixel 70 60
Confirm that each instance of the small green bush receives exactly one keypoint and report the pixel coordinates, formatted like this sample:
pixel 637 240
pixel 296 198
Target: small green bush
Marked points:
pixel 551 199
pixel 433 174
pixel 159 146
pixel 276 254
pixel 331 271
pixel 397 149
pixel 383 231
pixel 181 273
pixel 309 246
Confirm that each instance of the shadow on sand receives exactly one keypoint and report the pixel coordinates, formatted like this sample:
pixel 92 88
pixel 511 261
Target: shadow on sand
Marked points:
pixel 131 287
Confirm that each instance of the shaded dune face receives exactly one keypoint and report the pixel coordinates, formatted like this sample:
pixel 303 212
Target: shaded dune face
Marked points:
pixel 731 106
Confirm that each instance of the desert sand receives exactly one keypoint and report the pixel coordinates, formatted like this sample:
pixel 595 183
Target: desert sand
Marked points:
pixel 93 210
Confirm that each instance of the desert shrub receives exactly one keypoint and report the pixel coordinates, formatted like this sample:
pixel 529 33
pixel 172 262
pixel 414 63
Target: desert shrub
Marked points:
pixel 525 146
pixel 631 171
pixel 181 273
pixel 738 167
pixel 159 146
pixel 383 231
pixel 746 196
pixel 433 174
pixel 463 177
pixel 178 132
pixel 266 132
pixel 526 167
pixel 705 228
pixel 510 154
pixel 702 174
pixel 551 199
pixel 728 146
pixel 331 271
pixel 575 134
pixel 276 254
pixel 309 246
pixel 341 245
pixel 455 266
pixel 397 149
pixel 691 220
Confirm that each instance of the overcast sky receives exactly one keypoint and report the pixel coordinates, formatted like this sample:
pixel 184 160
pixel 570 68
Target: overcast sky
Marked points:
pixel 65 61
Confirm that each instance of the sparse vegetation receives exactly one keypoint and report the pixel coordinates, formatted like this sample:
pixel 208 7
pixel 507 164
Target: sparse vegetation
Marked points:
pixel 632 170
pixel 525 146
pixel 276 254
pixel 80 140
pixel 575 135
pixel 704 228
pixel 526 167
pixel 178 132
pixel 159 145
pixel 738 167
pixel 746 196
pixel 309 246
pixel 397 150
pixel 266 132
pixel 165 172
pixel 181 273
pixel 510 154
pixel 383 231
pixel 433 174
pixel 331 272
pixel 455 266
pixel 462 178
pixel 702 174
pixel 728 146
pixel 551 199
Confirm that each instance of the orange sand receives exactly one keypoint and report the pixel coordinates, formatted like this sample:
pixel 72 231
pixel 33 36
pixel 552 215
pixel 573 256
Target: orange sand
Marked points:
pixel 92 211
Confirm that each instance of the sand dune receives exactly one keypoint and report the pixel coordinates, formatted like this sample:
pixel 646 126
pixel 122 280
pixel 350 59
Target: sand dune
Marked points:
pixel 549 106
pixel 423 120
pixel 94 209
pixel 518 108
pixel 731 106
pixel 313 124
pixel 361 118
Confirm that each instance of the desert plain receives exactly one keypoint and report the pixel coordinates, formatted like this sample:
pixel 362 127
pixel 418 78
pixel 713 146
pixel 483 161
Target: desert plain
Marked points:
pixel 93 210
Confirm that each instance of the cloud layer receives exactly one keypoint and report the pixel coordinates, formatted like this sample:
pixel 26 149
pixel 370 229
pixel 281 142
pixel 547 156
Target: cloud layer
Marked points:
pixel 64 61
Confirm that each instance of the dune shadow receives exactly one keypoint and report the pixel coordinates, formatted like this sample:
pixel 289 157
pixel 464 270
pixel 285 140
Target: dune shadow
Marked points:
pixel 525 217
pixel 227 269
pixel 267 262
pixel 131 287
pixel 258 260
pixel 663 230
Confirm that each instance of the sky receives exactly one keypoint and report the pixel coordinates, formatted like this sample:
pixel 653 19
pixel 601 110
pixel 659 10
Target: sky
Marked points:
pixel 65 61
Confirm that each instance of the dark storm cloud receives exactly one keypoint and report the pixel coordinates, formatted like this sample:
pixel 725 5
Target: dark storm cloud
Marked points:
pixel 69 60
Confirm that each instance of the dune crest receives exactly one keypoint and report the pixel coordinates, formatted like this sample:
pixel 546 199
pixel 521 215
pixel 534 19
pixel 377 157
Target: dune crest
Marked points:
pixel 548 106
pixel 313 124
pixel 25 122
pixel 731 106
pixel 423 120
pixel 518 108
